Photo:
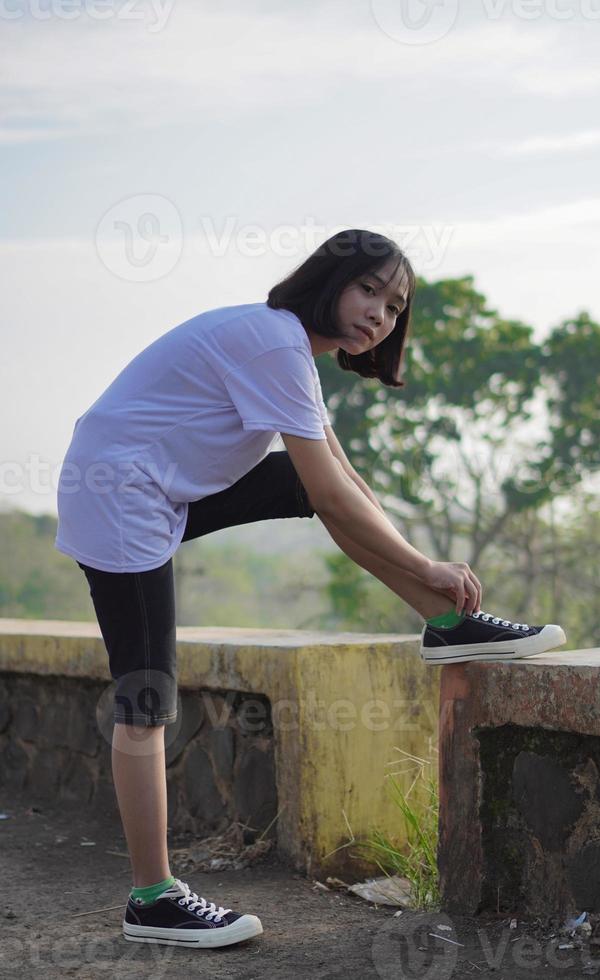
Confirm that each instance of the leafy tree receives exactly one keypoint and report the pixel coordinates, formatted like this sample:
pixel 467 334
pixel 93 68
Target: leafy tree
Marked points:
pixel 486 426
pixel 474 456
pixel 571 365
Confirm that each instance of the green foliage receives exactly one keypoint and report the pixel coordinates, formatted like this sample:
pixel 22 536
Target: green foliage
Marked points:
pixel 464 366
pixel 36 581
pixel 347 587
pixel 359 602
pixel 571 365
pixel 224 584
pixel 217 583
pixel 489 424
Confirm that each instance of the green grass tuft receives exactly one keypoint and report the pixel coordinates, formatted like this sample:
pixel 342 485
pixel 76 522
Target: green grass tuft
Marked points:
pixel 415 860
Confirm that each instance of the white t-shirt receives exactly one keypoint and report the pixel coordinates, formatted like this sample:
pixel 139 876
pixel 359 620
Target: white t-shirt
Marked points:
pixel 188 416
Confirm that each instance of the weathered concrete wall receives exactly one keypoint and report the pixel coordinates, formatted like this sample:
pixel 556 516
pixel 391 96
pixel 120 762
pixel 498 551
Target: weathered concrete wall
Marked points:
pixel 334 709
pixel 220 766
pixel 540 814
pixel 519 785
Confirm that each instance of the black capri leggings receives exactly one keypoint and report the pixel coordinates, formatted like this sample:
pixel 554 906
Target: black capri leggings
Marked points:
pixel 136 610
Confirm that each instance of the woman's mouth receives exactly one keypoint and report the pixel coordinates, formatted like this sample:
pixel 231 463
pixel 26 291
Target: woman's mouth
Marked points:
pixel 365 330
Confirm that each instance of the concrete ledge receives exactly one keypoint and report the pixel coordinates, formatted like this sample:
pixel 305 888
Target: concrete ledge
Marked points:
pixel 519 779
pixel 341 706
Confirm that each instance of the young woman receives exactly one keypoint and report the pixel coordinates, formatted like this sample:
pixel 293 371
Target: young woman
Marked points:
pixel 178 446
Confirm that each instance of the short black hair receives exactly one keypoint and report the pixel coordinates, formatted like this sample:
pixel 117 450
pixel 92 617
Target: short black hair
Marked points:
pixel 312 290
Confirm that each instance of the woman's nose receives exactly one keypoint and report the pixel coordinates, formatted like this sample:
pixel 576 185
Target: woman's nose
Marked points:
pixel 375 310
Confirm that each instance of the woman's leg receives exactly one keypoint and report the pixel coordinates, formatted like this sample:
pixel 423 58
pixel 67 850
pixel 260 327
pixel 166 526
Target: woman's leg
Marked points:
pixel 272 489
pixel 139 774
pixel 136 614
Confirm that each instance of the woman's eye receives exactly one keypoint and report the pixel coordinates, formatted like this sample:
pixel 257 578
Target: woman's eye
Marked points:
pixel 366 285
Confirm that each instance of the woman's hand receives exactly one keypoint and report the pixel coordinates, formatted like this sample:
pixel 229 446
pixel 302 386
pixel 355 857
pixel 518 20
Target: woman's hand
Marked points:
pixel 457 578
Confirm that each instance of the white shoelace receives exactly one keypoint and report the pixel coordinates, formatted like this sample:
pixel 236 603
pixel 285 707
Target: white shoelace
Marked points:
pixel 206 909
pixel 486 617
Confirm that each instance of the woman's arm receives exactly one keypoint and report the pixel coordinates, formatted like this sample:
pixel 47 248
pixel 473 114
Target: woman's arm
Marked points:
pixel 334 494
pixel 338 451
pixel 366 489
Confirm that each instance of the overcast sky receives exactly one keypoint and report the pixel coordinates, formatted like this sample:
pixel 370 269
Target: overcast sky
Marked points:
pixel 160 159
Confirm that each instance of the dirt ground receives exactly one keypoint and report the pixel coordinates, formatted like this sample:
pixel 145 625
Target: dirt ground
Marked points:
pixel 56 864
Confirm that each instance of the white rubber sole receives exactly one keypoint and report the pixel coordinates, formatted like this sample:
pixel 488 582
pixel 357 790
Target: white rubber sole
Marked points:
pixel 527 646
pixel 244 928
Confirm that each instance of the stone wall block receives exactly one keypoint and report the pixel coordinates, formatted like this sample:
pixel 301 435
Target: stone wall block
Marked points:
pixel 104 798
pixel 69 721
pixel 14 764
pixel 219 707
pixel 46 770
pixel 546 798
pixel 253 715
pixel 584 875
pixel 77 783
pixel 255 790
pixel 221 745
pixel 193 713
pixel 103 760
pixel 540 821
pixel 201 794
pixel 26 723
pixel 5 706
pixel 220 768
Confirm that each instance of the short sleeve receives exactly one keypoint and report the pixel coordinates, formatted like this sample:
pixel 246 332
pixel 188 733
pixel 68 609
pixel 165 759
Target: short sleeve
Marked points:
pixel 319 396
pixel 276 392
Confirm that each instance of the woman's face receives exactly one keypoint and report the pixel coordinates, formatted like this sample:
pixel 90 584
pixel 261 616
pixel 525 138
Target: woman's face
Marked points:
pixel 367 309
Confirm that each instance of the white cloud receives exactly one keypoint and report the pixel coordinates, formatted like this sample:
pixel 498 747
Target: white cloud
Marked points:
pixel 575 223
pixel 547 145
pixel 10 137
pixel 537 266
pixel 104 75
pixel 560 81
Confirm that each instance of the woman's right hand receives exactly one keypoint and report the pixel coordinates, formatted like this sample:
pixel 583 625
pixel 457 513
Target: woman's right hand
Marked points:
pixel 457 578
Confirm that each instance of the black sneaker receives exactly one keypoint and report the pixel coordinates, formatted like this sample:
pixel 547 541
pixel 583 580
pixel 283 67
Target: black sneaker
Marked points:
pixel 482 636
pixel 179 918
